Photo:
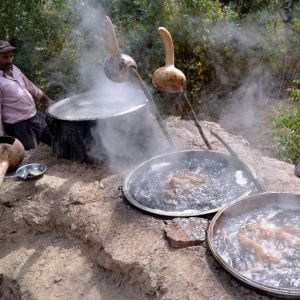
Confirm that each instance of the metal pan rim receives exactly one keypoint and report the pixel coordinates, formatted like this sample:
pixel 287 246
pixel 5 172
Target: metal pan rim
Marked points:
pixel 184 213
pixel 279 292
pixel 50 114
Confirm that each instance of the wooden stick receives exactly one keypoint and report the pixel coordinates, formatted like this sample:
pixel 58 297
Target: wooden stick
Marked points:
pixel 154 110
pixel 197 123
pixel 235 156
pixel 3 168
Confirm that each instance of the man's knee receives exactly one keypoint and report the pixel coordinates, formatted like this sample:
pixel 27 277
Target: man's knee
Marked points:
pixel 23 134
pixel 46 136
pixel 28 140
pixel 29 143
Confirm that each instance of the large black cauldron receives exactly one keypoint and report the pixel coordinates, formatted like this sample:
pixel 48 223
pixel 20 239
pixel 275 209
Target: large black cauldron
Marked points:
pixel 77 123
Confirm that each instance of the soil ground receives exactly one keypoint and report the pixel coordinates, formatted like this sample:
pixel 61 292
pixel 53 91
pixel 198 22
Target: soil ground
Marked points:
pixel 72 235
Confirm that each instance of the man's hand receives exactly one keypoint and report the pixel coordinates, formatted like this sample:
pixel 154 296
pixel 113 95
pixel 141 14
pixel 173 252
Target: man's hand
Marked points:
pixel 47 101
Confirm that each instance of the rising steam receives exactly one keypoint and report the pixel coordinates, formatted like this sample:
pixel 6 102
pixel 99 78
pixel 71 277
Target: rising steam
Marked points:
pixel 124 132
pixel 248 79
pixel 133 137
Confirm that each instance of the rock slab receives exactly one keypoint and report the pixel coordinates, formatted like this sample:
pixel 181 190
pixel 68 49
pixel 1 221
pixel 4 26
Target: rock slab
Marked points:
pixel 185 232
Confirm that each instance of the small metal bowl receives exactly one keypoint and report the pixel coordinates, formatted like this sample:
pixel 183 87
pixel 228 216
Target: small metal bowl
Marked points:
pixel 31 171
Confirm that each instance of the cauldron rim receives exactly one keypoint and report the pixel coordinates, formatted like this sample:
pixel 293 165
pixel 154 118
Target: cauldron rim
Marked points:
pixel 51 115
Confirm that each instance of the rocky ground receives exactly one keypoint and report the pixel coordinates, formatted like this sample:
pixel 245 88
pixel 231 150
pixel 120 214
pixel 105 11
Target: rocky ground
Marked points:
pixel 72 235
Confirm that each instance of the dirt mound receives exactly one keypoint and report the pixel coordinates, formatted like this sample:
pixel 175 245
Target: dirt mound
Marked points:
pixel 72 235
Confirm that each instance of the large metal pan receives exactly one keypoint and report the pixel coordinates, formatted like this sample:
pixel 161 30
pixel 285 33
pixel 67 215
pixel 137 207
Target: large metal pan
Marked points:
pixel 225 181
pixel 257 240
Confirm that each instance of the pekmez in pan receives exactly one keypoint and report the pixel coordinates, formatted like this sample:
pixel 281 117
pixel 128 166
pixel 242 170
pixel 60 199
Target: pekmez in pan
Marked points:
pixel 187 183
pixel 257 240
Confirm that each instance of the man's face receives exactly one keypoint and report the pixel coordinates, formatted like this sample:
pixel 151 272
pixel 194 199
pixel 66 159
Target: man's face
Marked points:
pixel 6 60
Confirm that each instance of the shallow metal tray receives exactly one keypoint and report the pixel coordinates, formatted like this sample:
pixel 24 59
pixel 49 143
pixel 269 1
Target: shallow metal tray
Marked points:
pixel 133 180
pixel 229 213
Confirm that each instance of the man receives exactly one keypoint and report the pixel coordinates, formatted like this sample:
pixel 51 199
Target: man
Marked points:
pixel 18 94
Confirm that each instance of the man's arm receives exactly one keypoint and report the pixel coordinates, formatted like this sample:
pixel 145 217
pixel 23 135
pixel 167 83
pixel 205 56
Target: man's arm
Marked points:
pixel 36 92
pixel 46 100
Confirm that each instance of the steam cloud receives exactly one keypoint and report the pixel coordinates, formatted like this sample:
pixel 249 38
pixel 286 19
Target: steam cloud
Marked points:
pixel 248 103
pixel 253 83
pixel 126 140
pixel 121 140
pixel 91 46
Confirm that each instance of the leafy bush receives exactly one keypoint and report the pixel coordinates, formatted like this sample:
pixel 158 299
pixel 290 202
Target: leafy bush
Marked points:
pixel 51 46
pixel 52 42
pixel 188 22
pixel 286 126
pixel 39 29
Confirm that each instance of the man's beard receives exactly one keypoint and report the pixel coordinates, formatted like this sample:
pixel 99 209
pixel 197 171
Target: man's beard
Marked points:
pixel 6 67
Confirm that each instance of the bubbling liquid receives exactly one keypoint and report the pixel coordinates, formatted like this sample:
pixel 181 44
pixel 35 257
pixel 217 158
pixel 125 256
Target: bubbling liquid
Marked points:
pixel 199 184
pixel 263 245
pixel 98 104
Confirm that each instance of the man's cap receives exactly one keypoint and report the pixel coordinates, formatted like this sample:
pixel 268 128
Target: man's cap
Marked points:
pixel 5 46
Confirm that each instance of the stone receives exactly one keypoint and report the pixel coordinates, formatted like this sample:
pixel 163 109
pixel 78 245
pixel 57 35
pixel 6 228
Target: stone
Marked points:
pixel 185 232
pixel 57 279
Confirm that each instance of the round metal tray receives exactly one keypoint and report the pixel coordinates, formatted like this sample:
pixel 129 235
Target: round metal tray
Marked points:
pixel 239 208
pixel 133 179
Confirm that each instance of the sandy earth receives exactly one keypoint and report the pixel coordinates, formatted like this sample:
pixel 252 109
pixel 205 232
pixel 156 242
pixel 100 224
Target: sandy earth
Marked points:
pixel 72 235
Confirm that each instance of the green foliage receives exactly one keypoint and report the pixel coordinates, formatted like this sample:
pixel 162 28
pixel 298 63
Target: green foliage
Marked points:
pixel 253 6
pixel 53 46
pixel 216 44
pixel 39 29
pixel 207 37
pixel 49 50
pixel 188 22
pixel 286 123
pixel 286 126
